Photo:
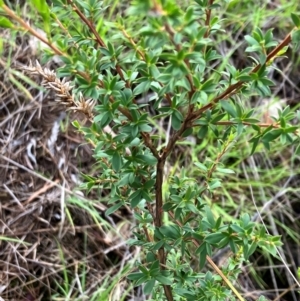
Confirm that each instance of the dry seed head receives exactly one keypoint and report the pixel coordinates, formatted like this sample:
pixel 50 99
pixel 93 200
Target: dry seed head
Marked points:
pixel 63 90
pixel 84 106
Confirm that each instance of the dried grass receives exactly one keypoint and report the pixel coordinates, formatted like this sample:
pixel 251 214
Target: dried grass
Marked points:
pixel 43 237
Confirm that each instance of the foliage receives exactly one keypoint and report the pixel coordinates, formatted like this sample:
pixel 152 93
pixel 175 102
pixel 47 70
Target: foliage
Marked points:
pixel 159 61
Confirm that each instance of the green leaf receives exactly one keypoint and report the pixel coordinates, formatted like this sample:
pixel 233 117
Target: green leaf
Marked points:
pixel 176 120
pixel 145 128
pixel 202 251
pixel 244 78
pixel 187 132
pixel 110 48
pixel 136 198
pixel 142 87
pixel 42 7
pixel 250 250
pixel 296 19
pixel 142 280
pixel 218 117
pixel 145 195
pixel 134 130
pixel 104 51
pixel 251 41
pixel 228 107
pixel 258 34
pixel 296 39
pixel 188 294
pixel 114 208
pixel 171 231
pixel 210 217
pixel 135 276
pixel 5 23
pixel 150 257
pixel 213 184
pixel 149 184
pixel 116 161
pixel 202 132
pixel 272 135
pixel 225 170
pixel 240 128
pixel 148 159
pixel 158 245
pixel 214 238
pixel 148 288
pixel 291 129
pixel 189 14
pixel 236 228
pixel 163 280
pixel 271 249
pixel 297 152
pixel 255 142
pixel 262 298
pixel 209 86
pixel 201 166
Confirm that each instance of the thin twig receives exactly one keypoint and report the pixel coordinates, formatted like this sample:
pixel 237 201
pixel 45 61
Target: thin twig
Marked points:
pixel 87 22
pixel 31 30
pixel 208 16
pixel 45 188
pixel 233 89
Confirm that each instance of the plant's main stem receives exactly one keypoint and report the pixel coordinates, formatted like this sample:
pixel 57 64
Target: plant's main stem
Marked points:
pixel 158 188
pixel 159 219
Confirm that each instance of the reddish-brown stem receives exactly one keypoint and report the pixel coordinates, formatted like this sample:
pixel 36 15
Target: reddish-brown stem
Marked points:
pixel 147 234
pixel 94 31
pixel 87 22
pixel 232 89
pixel 262 125
pixel 174 138
pixel 31 30
pixel 215 164
pixel 171 33
pixel 158 190
pixel 130 39
pixel 148 142
pixel 208 15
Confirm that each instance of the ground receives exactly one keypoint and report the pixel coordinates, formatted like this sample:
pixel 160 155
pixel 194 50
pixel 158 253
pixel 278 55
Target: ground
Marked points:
pixel 56 242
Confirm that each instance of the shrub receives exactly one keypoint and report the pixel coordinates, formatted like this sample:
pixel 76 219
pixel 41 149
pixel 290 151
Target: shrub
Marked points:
pixel 157 63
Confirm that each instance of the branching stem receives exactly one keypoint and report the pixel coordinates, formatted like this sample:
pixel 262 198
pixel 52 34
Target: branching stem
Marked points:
pixel 233 89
